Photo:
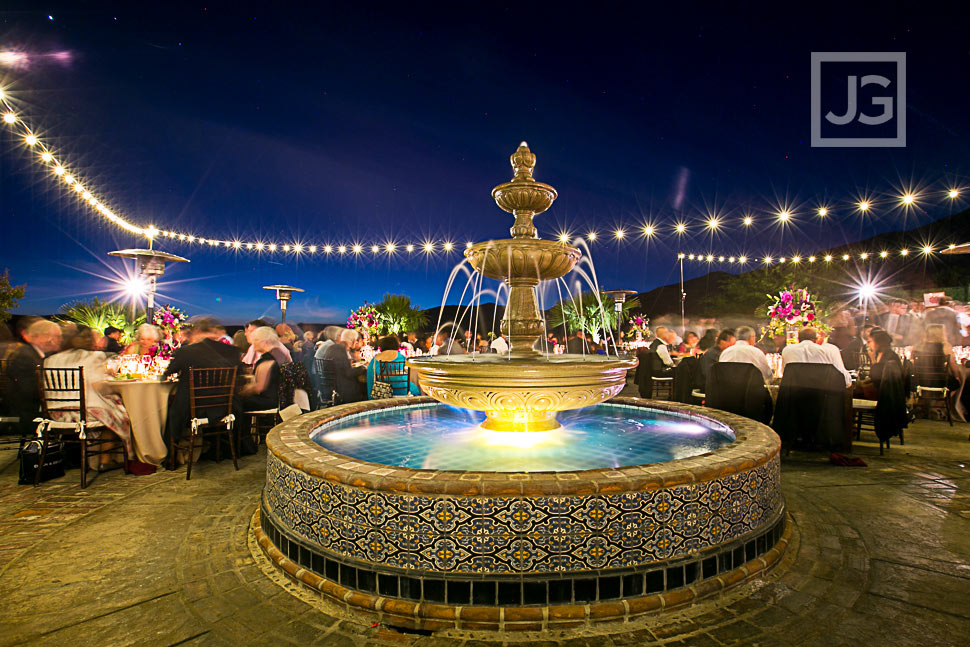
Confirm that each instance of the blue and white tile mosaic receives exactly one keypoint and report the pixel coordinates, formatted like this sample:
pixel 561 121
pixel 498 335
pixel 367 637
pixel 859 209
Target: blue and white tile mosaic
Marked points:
pixel 483 534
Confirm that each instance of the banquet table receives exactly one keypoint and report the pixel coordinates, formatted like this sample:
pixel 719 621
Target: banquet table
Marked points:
pixel 147 404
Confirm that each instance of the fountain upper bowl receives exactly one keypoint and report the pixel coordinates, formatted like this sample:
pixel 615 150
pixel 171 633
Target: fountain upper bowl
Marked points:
pixel 523 259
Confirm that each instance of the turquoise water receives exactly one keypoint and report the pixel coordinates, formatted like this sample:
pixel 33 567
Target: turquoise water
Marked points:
pixel 435 436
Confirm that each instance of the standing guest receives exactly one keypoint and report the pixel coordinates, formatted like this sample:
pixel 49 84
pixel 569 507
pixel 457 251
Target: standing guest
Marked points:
pixel 887 376
pixel 854 355
pixel 901 326
pixel 935 346
pixel 100 405
pixel 500 345
pixel 724 340
pixel 251 355
pixel 147 337
pixel 308 351
pixel 43 338
pixel 346 377
pixel 264 391
pixel 112 338
pixel 745 351
pixel 944 315
pixel 810 350
pixel 388 347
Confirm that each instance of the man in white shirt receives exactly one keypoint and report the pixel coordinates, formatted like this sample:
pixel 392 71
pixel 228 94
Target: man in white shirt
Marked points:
pixel 665 336
pixel 810 351
pixel 746 352
pixel 499 345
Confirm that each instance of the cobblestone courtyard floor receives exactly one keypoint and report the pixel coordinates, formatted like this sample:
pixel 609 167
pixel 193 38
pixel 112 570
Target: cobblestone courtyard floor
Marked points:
pixel 881 556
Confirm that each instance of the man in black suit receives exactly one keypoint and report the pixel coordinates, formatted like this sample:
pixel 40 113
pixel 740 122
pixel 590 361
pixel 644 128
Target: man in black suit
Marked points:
pixel 43 338
pixel 202 351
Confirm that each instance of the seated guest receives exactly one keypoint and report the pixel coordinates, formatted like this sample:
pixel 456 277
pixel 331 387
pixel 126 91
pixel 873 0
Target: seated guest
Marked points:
pixel 264 391
pixel 147 337
pixel 7 342
pixel 346 376
pixel 854 355
pixel 286 336
pixel 199 350
pixel 251 355
pixel 500 345
pixel 576 344
pixel 330 336
pixel 690 342
pixel 239 341
pixel 746 352
pixel 886 376
pixel 101 406
pixel 662 345
pixel 112 337
pixel 448 341
pixel 43 338
pixel 808 350
pixel 388 347
pixel 724 340
pixel 708 340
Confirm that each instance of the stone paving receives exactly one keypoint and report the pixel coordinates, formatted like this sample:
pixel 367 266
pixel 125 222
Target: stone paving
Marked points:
pixel 880 555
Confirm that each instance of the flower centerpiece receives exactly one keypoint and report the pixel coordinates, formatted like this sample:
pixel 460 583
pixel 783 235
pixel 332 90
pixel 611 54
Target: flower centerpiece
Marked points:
pixel 170 320
pixel 639 328
pixel 789 310
pixel 365 320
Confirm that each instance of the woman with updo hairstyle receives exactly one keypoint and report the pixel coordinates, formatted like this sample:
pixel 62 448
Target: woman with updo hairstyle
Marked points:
pixel 101 405
pixel 886 375
pixel 390 353
pixel 264 392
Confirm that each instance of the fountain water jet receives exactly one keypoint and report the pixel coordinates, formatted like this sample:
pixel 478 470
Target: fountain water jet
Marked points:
pixel 524 390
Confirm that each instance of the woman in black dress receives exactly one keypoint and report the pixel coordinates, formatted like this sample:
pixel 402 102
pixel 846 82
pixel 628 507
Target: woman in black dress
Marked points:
pixel 886 375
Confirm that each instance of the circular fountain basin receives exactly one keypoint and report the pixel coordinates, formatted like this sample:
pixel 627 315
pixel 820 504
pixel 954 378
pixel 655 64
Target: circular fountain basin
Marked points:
pixel 521 393
pixel 385 507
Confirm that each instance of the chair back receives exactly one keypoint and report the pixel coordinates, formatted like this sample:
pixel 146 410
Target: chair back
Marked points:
pixel 396 373
pixel 930 369
pixel 328 382
pixel 62 390
pixel 738 387
pixel 211 391
pixel 812 405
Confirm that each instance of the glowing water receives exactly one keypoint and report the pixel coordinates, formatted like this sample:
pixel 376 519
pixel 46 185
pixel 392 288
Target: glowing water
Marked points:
pixel 434 436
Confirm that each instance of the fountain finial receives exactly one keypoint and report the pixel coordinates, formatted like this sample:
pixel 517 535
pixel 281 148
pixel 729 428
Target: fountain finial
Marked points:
pixel 523 197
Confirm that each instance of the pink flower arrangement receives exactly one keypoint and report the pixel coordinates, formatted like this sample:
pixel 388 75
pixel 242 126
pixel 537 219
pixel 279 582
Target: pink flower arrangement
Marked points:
pixel 364 320
pixel 792 307
pixel 170 319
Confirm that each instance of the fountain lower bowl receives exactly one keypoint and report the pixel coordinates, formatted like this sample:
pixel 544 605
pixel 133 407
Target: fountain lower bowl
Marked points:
pixel 533 551
pixel 521 394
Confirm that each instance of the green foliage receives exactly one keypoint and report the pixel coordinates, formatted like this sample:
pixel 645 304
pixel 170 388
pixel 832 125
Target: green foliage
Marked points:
pixel 396 314
pixel 98 314
pixel 9 295
pixel 590 315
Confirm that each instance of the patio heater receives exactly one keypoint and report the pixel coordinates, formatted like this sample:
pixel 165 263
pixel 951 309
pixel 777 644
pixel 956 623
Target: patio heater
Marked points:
pixel 151 264
pixel 283 294
pixel 619 298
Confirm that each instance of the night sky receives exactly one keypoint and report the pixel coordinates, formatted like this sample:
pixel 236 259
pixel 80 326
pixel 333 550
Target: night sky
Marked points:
pixel 341 124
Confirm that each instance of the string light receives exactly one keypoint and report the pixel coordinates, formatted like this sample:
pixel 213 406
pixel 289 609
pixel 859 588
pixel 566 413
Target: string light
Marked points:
pixel 85 191
pixel 828 258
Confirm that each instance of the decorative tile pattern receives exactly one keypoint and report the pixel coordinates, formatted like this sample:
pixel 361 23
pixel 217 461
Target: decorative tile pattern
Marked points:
pixel 518 534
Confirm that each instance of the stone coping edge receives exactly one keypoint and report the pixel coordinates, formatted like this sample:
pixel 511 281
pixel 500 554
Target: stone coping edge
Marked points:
pixel 290 442
pixel 437 617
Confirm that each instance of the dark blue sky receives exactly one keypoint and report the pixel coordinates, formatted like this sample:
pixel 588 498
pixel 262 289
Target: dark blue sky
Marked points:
pixel 337 123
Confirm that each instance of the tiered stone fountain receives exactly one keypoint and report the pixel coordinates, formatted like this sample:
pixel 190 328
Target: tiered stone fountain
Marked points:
pixel 555 509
